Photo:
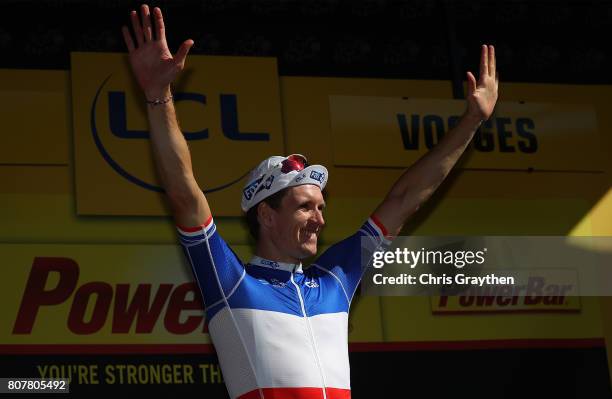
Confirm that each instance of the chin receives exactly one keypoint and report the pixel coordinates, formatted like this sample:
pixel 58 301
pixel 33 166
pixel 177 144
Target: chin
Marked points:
pixel 306 251
pixel 311 250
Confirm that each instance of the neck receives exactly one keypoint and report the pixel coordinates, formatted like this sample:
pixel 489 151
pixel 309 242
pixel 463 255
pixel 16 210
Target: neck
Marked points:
pixel 266 249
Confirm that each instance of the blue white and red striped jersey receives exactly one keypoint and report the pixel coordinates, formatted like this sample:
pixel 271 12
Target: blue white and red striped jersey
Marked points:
pixel 280 331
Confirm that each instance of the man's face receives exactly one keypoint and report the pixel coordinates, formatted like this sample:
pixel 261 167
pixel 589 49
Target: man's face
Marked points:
pixel 298 221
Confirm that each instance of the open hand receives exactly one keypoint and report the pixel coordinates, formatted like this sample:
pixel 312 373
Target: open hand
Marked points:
pixel 482 95
pixel 152 62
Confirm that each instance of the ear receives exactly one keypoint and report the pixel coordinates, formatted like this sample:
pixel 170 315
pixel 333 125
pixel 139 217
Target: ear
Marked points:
pixel 265 215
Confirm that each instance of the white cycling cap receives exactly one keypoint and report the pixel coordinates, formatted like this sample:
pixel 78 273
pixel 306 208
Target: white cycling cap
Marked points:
pixel 276 173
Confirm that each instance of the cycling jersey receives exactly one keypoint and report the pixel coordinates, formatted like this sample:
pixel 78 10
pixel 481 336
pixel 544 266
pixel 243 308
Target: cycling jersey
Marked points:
pixel 280 331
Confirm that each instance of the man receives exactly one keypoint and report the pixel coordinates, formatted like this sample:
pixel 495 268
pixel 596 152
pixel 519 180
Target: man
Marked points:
pixel 280 330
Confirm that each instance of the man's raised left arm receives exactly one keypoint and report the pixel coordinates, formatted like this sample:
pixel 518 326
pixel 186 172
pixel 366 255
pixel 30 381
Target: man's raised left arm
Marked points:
pixel 422 178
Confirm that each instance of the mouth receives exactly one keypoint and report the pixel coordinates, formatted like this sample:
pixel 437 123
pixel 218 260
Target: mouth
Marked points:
pixel 309 233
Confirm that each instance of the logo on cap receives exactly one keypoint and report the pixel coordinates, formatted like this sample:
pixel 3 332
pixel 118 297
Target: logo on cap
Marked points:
pixel 250 189
pixel 318 176
pixel 266 185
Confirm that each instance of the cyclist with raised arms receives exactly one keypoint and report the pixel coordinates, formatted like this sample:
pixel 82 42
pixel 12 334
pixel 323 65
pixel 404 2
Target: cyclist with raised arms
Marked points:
pixel 280 330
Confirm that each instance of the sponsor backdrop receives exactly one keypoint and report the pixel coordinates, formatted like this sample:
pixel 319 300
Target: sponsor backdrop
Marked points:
pixel 97 290
pixel 519 136
pixel 229 110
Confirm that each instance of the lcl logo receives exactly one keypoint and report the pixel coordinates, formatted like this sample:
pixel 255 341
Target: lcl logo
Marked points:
pixel 117 115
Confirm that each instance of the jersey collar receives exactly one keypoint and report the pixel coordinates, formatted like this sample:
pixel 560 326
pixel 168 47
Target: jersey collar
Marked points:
pixel 272 264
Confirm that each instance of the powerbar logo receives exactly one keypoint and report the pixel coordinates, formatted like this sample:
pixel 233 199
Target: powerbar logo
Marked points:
pixel 96 303
pixel 537 296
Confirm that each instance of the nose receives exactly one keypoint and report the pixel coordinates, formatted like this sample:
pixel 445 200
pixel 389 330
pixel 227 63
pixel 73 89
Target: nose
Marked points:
pixel 319 217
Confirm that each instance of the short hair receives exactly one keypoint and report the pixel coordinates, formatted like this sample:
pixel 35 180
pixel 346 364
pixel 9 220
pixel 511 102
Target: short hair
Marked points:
pixel 274 201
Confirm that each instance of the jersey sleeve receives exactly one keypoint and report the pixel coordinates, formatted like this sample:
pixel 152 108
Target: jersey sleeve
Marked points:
pixel 347 260
pixel 216 268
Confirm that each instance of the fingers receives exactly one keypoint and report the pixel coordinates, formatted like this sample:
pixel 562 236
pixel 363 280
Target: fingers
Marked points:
pixel 492 61
pixel 143 27
pixel 471 83
pixel 181 54
pixel 484 62
pixel 146 23
pixel 127 38
pixel 496 80
pixel 159 23
pixel 137 28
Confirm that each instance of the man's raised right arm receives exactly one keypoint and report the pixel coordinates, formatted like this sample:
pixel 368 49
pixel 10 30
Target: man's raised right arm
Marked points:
pixel 155 68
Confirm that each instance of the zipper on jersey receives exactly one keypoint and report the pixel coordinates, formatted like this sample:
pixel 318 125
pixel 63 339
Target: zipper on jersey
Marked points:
pixel 312 338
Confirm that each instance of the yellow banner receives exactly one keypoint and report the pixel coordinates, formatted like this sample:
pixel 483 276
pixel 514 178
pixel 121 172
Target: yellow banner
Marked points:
pixel 119 294
pixel 116 294
pixel 503 303
pixel 228 109
pixel 35 114
pixel 419 319
pixel 395 132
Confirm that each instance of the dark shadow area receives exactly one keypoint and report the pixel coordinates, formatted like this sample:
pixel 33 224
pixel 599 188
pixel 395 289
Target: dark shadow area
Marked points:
pixel 499 373
pixel 537 41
